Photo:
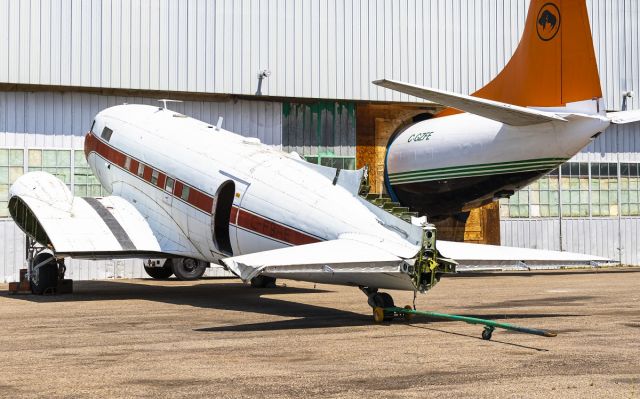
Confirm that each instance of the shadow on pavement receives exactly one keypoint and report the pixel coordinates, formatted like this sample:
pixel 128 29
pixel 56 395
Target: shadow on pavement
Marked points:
pixel 236 296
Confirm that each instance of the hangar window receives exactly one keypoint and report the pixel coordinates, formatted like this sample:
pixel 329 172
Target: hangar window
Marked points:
pixel 106 133
pixel 56 162
pixel 574 184
pixel 630 189
pixel 604 189
pixel 545 196
pixel 169 185
pixel 332 161
pixel 85 184
pixel 11 167
pixel 517 206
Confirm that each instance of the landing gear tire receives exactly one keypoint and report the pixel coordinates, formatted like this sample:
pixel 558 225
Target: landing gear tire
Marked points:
pixel 160 273
pixel 486 333
pixel 382 300
pixel 263 281
pixel 44 273
pixel 188 269
pixel 378 314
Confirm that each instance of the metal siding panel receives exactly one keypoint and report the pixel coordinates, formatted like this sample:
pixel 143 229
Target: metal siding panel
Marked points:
pixel 106 45
pixel 314 48
pixel 4 41
pixel 181 62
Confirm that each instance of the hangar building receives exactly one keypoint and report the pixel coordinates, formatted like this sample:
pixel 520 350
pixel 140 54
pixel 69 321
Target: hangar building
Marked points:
pixel 297 75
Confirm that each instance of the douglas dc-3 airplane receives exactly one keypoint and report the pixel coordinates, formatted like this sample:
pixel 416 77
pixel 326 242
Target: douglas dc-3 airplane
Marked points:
pixel 185 193
pixel 539 111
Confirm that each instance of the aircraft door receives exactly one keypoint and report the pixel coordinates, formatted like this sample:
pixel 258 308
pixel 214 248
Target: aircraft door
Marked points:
pixel 221 217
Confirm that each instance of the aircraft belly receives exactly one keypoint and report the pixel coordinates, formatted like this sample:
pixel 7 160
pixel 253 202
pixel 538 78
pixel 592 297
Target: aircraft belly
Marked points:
pixel 450 196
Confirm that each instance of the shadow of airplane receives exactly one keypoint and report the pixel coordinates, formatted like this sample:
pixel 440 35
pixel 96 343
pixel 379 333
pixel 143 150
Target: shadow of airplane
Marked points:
pixel 236 296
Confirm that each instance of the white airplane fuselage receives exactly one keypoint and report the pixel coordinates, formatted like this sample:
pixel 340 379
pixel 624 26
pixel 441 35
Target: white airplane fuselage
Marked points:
pixel 445 165
pixel 277 201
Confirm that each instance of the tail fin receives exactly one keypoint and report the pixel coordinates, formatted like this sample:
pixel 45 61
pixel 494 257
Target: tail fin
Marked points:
pixel 554 63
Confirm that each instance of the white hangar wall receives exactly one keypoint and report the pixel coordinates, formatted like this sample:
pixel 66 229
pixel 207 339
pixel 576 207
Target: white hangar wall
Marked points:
pixel 314 48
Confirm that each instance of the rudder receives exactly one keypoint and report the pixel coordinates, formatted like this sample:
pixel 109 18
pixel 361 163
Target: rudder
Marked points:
pixel 554 63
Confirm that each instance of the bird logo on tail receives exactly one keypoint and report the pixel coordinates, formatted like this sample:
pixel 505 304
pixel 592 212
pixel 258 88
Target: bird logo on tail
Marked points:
pixel 548 22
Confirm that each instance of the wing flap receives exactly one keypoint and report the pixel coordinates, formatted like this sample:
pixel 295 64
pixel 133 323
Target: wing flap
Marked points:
pixel 502 112
pixel 336 255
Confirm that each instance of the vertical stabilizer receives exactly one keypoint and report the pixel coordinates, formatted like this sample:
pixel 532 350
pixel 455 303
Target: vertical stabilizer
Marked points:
pixel 554 63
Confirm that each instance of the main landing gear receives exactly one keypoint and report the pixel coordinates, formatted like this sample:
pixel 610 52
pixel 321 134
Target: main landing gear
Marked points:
pixel 185 269
pixel 381 302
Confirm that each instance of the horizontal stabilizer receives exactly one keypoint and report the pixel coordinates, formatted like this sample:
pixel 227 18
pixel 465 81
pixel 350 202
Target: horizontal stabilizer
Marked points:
pixel 335 256
pixel 502 112
pixel 42 206
pixel 481 255
pixel 623 117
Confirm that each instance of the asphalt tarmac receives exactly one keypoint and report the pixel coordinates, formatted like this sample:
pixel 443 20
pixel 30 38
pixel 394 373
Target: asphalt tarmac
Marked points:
pixel 220 338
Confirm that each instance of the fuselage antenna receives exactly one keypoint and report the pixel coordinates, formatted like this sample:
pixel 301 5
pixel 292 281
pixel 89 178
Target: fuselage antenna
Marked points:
pixel 164 102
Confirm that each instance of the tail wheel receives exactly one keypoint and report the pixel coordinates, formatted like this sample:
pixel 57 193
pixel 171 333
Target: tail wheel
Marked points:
pixel 44 273
pixel 160 273
pixel 188 269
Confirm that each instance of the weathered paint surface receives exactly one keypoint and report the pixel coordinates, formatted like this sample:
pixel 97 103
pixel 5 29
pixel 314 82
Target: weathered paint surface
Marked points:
pixel 326 128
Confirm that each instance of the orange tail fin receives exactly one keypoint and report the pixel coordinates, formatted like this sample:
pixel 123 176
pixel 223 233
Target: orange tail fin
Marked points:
pixel 554 63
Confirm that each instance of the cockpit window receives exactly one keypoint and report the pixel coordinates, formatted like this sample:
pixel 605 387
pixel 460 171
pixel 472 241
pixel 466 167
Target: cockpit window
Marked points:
pixel 92 125
pixel 106 133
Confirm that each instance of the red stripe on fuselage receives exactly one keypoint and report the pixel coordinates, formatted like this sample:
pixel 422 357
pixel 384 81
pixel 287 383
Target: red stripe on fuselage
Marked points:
pixel 200 200
pixel 272 229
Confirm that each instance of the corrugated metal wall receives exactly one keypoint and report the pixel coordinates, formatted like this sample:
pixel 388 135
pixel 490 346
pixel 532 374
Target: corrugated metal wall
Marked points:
pixel 315 48
pixel 613 238
pixel 60 120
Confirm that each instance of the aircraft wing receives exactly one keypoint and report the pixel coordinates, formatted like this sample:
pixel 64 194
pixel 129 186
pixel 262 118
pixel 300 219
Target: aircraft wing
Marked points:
pixel 623 117
pixel 91 228
pixel 340 261
pixel 502 112
pixel 479 256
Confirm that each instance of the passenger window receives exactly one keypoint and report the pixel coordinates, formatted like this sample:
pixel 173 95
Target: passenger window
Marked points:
pixel 169 185
pixel 185 193
pixel 106 133
pixel 127 163
pixel 140 169
pixel 154 177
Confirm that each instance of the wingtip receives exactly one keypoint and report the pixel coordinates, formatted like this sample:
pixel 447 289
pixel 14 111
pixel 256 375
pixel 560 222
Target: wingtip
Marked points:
pixel 379 82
